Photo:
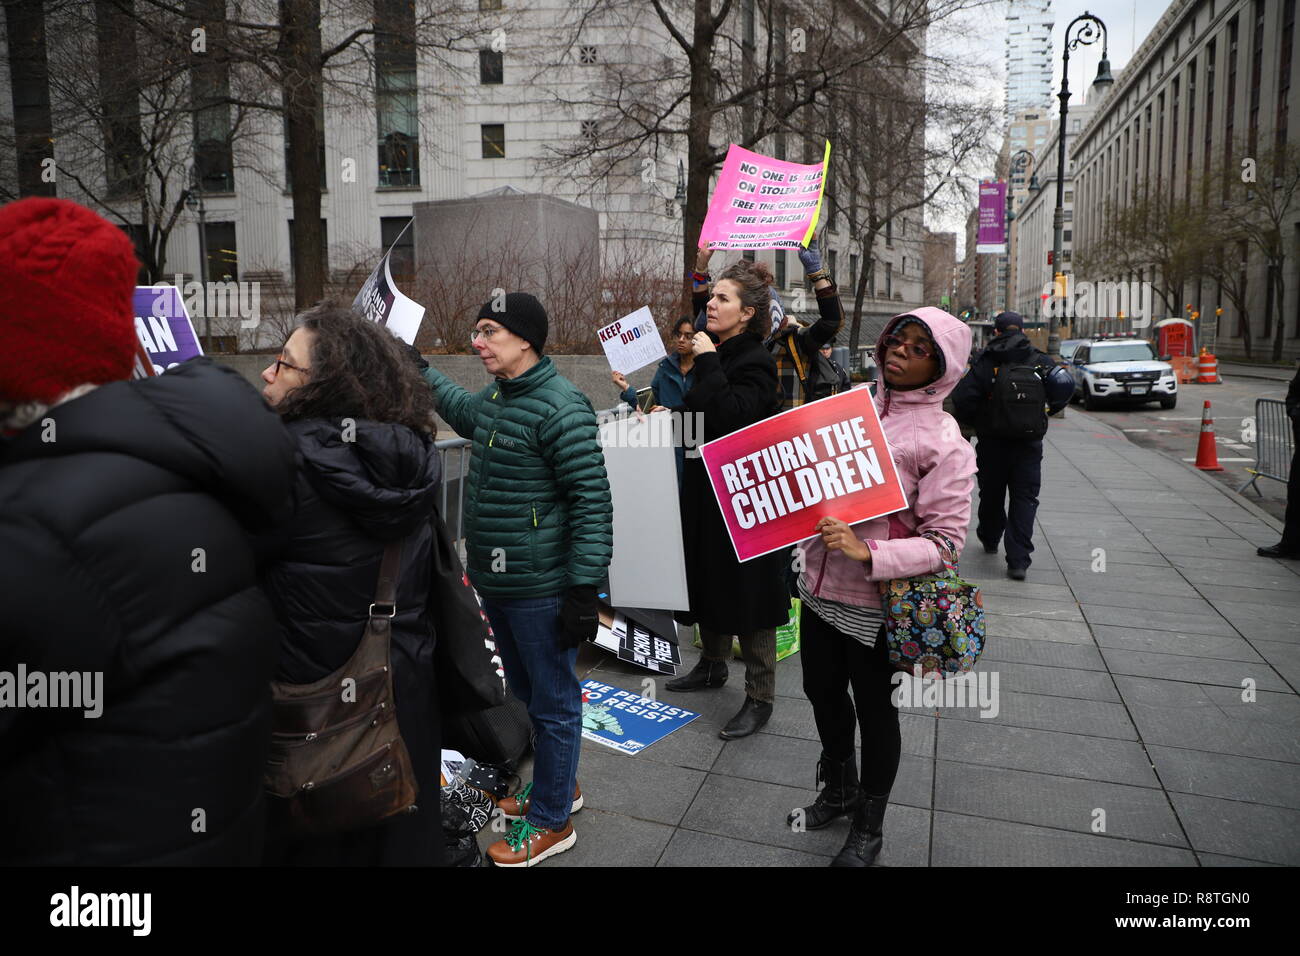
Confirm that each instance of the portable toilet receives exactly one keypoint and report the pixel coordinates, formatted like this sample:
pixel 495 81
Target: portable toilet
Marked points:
pixel 1174 338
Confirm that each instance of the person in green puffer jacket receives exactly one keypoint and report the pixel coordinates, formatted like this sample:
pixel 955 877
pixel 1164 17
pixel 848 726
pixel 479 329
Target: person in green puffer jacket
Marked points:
pixel 539 537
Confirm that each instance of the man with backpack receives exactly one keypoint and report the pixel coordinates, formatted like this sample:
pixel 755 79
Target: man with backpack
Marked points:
pixel 1006 396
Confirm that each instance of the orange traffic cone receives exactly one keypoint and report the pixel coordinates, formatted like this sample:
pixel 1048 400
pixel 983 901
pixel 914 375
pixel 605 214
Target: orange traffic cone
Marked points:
pixel 1207 455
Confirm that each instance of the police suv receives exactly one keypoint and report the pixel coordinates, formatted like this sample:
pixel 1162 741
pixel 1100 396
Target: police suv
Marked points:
pixel 1115 371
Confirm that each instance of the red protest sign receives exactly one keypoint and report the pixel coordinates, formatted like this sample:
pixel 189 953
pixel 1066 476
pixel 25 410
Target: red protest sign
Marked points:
pixel 777 478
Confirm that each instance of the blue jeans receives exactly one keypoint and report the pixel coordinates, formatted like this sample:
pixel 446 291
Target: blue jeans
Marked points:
pixel 541 673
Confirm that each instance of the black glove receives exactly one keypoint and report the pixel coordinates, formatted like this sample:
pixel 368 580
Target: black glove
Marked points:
pixel 420 362
pixel 578 617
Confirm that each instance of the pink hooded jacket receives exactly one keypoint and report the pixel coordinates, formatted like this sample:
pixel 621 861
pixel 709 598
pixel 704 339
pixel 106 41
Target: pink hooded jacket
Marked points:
pixel 937 467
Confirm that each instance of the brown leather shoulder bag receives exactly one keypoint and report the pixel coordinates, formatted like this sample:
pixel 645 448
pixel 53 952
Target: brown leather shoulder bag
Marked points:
pixel 337 758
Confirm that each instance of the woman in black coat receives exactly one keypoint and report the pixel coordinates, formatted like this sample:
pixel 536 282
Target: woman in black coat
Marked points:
pixel 735 386
pixel 369 474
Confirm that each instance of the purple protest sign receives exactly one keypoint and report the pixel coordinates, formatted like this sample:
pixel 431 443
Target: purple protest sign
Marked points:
pixel 993 218
pixel 164 328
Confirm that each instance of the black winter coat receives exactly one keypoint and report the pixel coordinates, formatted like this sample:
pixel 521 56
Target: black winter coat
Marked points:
pixel 354 496
pixel 734 387
pixel 100 571
pixel 972 391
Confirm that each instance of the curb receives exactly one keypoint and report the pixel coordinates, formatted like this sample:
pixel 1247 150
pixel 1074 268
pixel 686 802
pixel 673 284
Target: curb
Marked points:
pixel 1237 373
pixel 1250 507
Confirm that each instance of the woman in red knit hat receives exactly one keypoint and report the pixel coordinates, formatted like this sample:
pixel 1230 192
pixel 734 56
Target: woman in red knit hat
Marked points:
pixel 129 516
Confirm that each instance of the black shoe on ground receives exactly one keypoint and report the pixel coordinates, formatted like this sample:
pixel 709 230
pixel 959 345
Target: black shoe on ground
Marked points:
pixel 705 673
pixel 1278 551
pixel 840 797
pixel 989 548
pixel 751 717
pixel 1016 574
pixel 866 835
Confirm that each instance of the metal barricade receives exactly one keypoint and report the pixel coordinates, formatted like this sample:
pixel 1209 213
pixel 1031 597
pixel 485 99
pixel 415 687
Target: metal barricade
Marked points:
pixel 1274 443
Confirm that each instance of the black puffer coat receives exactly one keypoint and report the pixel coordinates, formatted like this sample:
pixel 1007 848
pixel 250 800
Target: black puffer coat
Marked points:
pixel 354 497
pixel 99 572
pixel 734 387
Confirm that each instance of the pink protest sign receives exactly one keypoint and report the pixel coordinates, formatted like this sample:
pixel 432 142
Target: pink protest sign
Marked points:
pixel 764 203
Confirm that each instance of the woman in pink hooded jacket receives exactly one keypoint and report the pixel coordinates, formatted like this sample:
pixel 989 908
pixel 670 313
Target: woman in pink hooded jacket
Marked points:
pixel 921 355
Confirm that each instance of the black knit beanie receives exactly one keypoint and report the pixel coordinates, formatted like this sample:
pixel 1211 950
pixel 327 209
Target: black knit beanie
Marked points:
pixel 523 316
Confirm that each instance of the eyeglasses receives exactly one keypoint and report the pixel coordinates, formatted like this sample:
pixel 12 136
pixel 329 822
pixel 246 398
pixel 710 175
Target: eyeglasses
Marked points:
pixel 916 351
pixel 486 332
pixel 279 362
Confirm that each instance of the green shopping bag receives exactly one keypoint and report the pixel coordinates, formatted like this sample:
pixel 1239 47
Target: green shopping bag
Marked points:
pixel 787 635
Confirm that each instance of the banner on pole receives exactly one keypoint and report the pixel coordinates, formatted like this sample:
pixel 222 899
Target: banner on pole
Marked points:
pixel 764 203
pixel 993 219
pixel 777 478
pixel 163 329
pixel 380 300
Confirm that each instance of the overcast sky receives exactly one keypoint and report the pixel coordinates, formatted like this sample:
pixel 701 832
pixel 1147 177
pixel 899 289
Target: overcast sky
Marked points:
pixel 981 36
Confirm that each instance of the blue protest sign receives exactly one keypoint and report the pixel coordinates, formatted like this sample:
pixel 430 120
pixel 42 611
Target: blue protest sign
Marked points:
pixel 163 327
pixel 625 721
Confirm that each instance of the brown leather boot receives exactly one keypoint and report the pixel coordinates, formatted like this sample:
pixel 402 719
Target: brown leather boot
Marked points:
pixel 512 808
pixel 527 845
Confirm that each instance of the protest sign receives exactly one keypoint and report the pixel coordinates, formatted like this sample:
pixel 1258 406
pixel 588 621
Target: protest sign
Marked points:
pixel 163 329
pixel 777 478
pixel 380 301
pixel 993 219
pixel 764 203
pixel 633 342
pixel 648 566
pixel 625 721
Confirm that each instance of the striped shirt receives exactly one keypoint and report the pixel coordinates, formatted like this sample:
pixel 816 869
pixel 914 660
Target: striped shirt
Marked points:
pixel 858 622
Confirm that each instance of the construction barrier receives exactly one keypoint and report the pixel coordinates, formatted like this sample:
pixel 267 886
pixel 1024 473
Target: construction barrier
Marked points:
pixel 1207 455
pixel 1207 367
pixel 1184 368
pixel 1274 444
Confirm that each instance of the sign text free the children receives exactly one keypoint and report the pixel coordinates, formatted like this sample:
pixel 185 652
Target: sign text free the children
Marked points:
pixel 764 203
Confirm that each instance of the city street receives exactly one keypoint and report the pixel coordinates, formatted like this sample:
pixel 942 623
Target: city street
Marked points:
pixel 1176 432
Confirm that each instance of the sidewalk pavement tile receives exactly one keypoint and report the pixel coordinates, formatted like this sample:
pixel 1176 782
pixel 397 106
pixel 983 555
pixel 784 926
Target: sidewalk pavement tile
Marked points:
pixel 977 841
pixel 611 839
pixel 1197 670
pixel 1047 653
pixel 1268 621
pixel 1092 718
pixel 1214 859
pixel 1247 830
pixel 1134 575
pixel 1165 588
pixel 1175 642
pixel 1025 607
pixel 1267 578
pixel 1175 714
pixel 1133 813
pixel 1055 681
pixel 1042 751
pixel 1130 549
pixel 1200 526
pixel 1246 779
pixel 1174 545
pixel 1285 659
pixel 617 783
pixel 757 811
pixel 1220 592
pixel 695 749
pixel 1158 620
pixel 1109 594
pixel 692 848
pixel 1036 628
pixel 1001 587
pixel 794 718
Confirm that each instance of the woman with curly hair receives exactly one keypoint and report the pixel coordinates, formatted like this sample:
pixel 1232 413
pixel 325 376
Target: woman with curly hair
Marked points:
pixel 369 473
pixel 735 386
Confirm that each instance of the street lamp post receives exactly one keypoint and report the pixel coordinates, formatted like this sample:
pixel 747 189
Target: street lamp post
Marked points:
pixel 1090 28
pixel 1016 165
pixel 194 203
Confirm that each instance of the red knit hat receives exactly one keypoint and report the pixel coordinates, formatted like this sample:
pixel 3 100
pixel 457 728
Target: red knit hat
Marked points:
pixel 67 283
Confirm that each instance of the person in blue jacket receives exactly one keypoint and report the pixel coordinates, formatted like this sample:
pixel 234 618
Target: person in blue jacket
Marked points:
pixel 673 378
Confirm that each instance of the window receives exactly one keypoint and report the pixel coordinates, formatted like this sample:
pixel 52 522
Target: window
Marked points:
pixel 586 54
pixel 494 140
pixel 402 261
pixel 1067 235
pixel 489 4
pixel 324 248
pixel 780 268
pixel 748 255
pixel 210 87
pixel 1256 67
pixel 889 279
pixel 1229 108
pixel 1284 72
pixel 223 253
pixel 396 94
pixel 853 271
pixel 1068 196
pixel 491 67
pixel 889 232
pixel 589 129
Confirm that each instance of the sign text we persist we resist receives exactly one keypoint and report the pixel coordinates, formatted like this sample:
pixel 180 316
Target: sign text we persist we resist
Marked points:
pixel 830 462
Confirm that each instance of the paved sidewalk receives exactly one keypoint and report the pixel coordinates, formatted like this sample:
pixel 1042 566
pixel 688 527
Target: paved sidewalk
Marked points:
pixel 1120 691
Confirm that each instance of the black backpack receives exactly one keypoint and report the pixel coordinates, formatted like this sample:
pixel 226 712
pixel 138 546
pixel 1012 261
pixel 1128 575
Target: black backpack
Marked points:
pixel 1017 404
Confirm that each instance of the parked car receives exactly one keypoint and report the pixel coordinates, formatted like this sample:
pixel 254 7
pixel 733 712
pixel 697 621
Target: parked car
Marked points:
pixel 1068 347
pixel 1121 371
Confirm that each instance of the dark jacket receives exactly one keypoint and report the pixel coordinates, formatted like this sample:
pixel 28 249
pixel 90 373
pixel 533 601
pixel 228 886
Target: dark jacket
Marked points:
pixel 734 387
pixel 1013 348
pixel 101 570
pixel 354 496
pixel 670 386
pixel 538 515
pixel 795 349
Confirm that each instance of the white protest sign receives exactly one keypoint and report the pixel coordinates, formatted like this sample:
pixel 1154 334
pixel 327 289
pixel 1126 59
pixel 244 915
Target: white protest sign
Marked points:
pixel 633 342
pixel 380 301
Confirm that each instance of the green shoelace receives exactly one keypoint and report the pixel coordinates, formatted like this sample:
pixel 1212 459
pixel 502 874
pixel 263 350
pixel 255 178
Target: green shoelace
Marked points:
pixel 522 796
pixel 521 833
